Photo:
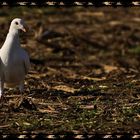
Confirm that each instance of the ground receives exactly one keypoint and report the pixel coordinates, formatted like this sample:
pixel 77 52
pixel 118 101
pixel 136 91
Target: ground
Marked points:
pixel 84 75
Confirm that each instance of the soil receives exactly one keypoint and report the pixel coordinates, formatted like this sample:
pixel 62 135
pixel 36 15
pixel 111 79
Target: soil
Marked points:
pixel 84 76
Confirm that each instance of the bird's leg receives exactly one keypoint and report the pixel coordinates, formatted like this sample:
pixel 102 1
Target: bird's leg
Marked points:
pixel 1 90
pixel 21 88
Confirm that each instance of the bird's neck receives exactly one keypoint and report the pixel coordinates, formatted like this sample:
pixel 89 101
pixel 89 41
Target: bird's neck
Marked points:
pixel 12 39
pixel 13 31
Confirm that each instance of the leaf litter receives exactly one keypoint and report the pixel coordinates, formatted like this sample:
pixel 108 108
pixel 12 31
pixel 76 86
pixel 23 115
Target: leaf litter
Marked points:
pixel 85 72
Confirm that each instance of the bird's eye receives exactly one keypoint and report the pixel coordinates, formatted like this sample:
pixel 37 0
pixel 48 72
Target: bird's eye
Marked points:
pixel 16 23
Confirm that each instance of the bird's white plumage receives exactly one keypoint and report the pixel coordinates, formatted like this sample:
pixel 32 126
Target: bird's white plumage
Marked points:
pixel 14 60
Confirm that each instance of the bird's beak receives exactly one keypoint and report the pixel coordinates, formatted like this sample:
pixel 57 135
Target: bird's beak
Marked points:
pixel 24 28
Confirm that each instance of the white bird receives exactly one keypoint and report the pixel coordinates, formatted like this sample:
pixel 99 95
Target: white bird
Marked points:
pixel 14 60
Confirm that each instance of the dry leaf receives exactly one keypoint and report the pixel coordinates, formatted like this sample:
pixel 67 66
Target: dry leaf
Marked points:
pixel 64 88
pixel 51 108
pixel 37 76
pixel 26 123
pixel 103 87
pixel 51 136
pixel 94 79
pixel 138 116
pixel 114 23
pixel 109 68
pixel 79 136
pixel 4 126
pixel 16 102
pixel 22 136
pixel 136 19
pixel 81 14
pixel 87 106
pixel 47 111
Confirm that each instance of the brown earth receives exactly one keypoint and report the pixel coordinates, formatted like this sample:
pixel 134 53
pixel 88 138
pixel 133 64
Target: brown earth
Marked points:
pixel 84 75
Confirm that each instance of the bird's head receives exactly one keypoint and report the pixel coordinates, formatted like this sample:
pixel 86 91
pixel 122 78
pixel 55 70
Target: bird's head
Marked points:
pixel 19 24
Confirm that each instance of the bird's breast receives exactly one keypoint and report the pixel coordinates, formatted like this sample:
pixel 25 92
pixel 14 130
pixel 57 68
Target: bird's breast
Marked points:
pixel 13 68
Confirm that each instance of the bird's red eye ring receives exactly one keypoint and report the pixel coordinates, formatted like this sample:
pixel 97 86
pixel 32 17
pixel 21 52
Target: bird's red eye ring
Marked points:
pixel 16 23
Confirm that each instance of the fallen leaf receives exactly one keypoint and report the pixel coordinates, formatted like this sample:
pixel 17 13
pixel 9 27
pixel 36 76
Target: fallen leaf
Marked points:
pixel 136 19
pixel 90 14
pixel 37 76
pixel 51 108
pixel 4 126
pixel 87 106
pixel 114 23
pixel 109 68
pixel 103 87
pixel 22 136
pixel 47 111
pixel 64 88
pixel 92 78
pixel 26 123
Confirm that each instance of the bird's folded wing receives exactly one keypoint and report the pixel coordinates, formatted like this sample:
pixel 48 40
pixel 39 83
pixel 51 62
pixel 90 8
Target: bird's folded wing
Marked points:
pixel 26 62
pixel 0 66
